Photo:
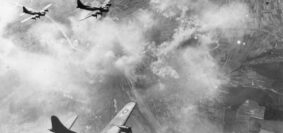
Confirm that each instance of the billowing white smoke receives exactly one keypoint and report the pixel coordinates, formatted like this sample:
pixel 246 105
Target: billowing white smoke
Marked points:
pixel 65 66
pixel 197 75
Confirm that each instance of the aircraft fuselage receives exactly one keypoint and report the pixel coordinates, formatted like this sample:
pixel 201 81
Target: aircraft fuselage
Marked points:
pixel 96 9
pixel 39 13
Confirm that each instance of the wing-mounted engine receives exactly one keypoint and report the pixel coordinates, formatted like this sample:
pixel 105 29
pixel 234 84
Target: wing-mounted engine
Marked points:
pixel 36 17
pixel 46 10
pixel 125 129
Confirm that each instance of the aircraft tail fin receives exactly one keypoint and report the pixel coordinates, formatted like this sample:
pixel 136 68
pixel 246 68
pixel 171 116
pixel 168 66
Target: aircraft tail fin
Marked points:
pixel 80 4
pixel 25 10
pixel 58 127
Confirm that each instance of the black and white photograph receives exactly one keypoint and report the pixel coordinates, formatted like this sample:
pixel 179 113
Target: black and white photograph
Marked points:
pixel 141 66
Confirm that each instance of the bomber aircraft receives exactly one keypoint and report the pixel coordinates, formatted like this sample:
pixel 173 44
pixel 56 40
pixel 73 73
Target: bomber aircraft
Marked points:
pixel 94 11
pixel 116 125
pixel 35 14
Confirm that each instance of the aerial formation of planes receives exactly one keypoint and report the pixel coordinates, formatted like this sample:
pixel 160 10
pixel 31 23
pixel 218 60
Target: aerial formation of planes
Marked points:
pixel 94 11
pixel 116 125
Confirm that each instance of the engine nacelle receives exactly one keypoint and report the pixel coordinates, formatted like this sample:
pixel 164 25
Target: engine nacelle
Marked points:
pixel 125 129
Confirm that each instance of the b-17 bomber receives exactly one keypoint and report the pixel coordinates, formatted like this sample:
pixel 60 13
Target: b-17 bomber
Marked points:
pixel 95 11
pixel 116 125
pixel 35 14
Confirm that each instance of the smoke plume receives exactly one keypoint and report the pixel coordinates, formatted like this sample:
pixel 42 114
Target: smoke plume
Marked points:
pixel 159 55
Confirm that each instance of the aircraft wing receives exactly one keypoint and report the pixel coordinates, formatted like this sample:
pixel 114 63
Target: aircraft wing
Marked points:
pixel 29 18
pixel 46 7
pixel 94 13
pixel 119 121
pixel 73 122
